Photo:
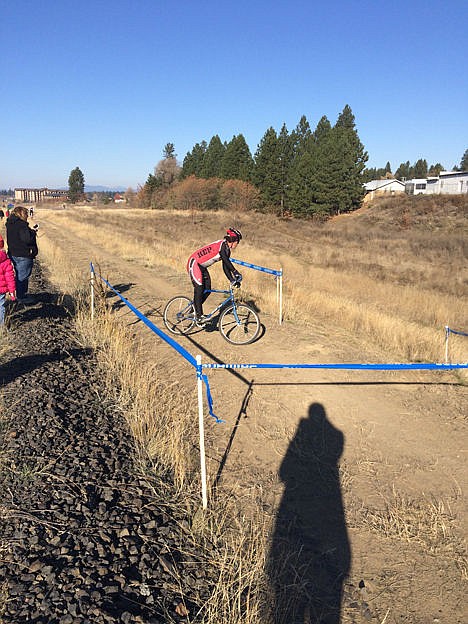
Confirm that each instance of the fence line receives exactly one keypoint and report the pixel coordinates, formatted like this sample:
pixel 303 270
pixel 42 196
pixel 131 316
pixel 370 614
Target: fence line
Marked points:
pixel 279 282
pixel 449 331
pixel 175 345
pixel 203 379
pixel 403 366
pixel 196 363
pixel 453 331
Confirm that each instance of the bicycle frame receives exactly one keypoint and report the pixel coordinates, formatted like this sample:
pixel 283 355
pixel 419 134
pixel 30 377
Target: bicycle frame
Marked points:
pixel 237 321
pixel 229 299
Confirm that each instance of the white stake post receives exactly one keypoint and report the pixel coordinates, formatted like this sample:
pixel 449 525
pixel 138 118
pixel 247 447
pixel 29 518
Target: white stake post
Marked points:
pixel 92 292
pixel 277 289
pixel 201 428
pixel 446 343
pixel 281 295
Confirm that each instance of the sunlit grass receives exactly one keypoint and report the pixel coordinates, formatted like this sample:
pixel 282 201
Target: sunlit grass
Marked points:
pixel 164 427
pixel 403 319
pixel 428 522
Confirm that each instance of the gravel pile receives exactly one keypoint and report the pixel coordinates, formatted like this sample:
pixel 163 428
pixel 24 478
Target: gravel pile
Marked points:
pixel 84 539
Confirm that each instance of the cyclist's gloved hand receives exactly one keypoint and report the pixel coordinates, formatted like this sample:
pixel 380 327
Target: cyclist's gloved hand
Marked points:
pixel 238 277
pixel 235 284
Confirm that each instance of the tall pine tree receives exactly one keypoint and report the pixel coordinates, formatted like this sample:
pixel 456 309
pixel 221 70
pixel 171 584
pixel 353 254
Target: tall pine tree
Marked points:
pixel 267 170
pixel 308 163
pixel 353 157
pixel 298 191
pixel 212 159
pixel 193 161
pixel 76 184
pixel 237 162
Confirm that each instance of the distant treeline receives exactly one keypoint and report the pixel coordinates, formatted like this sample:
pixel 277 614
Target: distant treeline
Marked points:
pixel 303 172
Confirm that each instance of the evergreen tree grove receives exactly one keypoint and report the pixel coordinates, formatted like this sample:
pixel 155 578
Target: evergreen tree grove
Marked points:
pixel 328 174
pixel 212 158
pixel 302 172
pixel 237 162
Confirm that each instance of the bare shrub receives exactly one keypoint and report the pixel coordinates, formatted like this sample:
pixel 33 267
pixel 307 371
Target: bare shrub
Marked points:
pixel 239 196
pixel 194 194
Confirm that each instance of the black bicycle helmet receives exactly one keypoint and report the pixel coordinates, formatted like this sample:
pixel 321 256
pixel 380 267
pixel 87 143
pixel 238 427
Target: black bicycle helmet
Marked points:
pixel 233 235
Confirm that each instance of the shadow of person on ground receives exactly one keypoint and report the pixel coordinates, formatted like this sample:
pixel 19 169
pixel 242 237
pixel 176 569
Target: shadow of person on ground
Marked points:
pixel 24 364
pixel 310 554
pixel 49 307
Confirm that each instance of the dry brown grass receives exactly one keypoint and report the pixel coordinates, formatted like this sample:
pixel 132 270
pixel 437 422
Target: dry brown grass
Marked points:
pixel 428 522
pixel 393 286
pixel 164 428
pixel 161 420
pixel 372 273
pixel 238 596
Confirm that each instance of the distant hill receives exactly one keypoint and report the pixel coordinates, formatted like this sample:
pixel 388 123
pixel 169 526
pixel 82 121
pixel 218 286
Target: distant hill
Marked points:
pixel 105 189
pixel 100 189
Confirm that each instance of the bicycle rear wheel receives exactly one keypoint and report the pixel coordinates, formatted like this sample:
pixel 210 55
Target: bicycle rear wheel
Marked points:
pixel 239 324
pixel 179 315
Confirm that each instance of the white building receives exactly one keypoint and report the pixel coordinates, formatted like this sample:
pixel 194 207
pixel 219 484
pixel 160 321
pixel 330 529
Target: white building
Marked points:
pixel 453 182
pixel 419 186
pixel 383 187
pixel 448 183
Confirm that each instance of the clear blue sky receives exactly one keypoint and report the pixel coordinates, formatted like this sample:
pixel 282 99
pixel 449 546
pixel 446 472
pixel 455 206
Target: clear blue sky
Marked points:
pixel 105 84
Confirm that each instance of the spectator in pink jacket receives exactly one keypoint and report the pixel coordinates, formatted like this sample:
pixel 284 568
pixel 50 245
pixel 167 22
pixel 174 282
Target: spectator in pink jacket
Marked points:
pixel 7 281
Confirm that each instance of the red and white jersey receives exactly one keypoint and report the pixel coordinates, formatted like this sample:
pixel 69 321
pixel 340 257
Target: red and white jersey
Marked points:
pixel 207 255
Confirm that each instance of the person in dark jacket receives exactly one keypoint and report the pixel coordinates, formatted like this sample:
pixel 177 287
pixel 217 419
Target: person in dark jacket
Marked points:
pixel 22 249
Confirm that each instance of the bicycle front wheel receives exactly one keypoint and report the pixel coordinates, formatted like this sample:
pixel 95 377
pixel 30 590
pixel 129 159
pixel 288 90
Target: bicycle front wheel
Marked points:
pixel 179 315
pixel 239 324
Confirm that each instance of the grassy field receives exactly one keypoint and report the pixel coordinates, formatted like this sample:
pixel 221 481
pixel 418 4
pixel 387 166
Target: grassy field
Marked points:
pixel 389 276
pixel 392 275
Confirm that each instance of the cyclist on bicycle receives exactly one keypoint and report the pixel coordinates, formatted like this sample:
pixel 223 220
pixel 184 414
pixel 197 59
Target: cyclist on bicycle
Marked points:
pixel 206 256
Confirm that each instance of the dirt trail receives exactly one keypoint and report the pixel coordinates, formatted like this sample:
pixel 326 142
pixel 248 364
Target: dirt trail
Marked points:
pixel 403 434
